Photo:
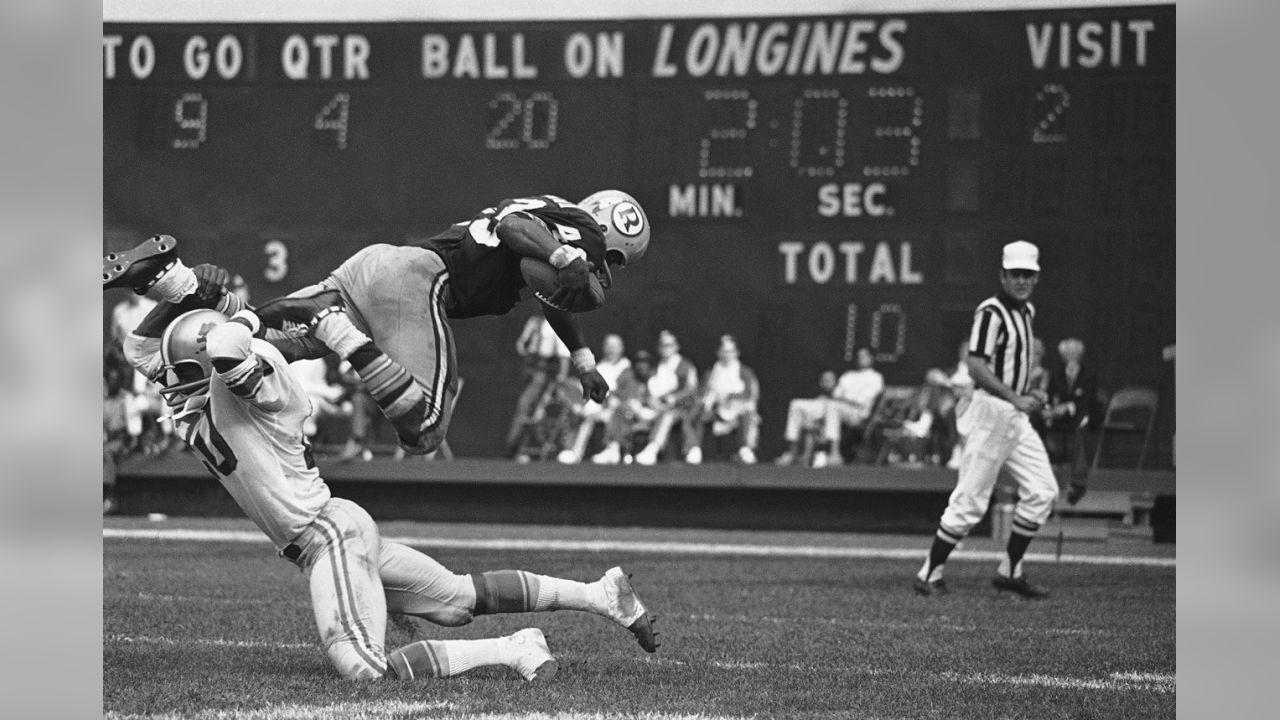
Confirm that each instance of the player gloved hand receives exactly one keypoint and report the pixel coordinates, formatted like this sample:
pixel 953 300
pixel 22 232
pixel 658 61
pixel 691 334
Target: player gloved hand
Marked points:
pixel 212 281
pixel 594 386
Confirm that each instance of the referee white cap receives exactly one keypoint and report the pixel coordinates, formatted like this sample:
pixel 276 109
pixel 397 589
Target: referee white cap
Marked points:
pixel 1021 255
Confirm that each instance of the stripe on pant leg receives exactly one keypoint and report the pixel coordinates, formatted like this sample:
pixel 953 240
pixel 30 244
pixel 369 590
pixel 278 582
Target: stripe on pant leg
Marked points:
pixel 346 597
pixel 1024 527
pixel 435 403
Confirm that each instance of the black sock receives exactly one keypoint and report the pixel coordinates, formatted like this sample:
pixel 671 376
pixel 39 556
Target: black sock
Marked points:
pixel 940 551
pixel 1017 548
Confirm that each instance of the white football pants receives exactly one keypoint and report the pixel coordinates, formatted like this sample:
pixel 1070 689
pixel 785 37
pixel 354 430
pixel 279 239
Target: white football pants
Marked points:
pixel 998 436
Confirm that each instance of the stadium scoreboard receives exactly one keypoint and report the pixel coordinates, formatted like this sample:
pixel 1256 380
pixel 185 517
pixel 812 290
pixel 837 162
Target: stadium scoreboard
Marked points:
pixel 815 182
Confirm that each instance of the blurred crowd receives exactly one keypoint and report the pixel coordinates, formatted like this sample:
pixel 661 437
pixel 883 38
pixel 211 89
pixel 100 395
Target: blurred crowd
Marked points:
pixel 662 407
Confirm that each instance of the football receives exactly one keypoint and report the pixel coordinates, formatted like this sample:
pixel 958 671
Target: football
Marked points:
pixel 541 277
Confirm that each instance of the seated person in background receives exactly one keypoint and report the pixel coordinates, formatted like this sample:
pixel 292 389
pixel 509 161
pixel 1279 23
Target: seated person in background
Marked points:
pixel 329 404
pixel 1073 401
pixel 914 436
pixel 611 366
pixel 673 391
pixel 852 402
pixel 956 383
pixel 364 416
pixel 806 415
pixel 546 362
pixel 632 414
pixel 730 394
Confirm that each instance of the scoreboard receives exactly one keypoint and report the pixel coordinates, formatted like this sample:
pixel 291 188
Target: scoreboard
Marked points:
pixel 816 182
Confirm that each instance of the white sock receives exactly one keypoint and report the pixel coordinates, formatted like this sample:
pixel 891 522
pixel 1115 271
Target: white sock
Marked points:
pixel 341 335
pixel 557 593
pixel 460 656
pixel 178 282
pixel 1006 571
pixel 934 576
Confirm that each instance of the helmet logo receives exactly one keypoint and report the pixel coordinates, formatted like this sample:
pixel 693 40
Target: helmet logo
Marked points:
pixel 202 338
pixel 627 219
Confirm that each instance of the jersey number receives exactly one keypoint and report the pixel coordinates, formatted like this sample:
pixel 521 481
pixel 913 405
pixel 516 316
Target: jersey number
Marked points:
pixel 224 462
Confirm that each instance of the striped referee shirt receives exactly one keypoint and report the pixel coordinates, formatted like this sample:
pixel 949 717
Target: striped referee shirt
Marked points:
pixel 1002 336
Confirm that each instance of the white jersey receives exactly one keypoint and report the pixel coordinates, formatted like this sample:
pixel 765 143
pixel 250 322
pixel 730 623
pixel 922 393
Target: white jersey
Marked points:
pixel 248 432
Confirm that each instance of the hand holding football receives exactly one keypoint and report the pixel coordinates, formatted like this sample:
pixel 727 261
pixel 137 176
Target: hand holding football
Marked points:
pixel 542 279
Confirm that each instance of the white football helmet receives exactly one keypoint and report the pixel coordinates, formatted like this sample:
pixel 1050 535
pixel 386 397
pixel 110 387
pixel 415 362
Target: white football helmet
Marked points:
pixel 625 226
pixel 185 355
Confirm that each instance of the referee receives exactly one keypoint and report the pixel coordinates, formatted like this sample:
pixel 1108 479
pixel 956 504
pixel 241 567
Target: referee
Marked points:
pixel 996 424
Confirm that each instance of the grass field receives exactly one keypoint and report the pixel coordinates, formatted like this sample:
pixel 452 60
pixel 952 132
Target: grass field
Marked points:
pixel 221 628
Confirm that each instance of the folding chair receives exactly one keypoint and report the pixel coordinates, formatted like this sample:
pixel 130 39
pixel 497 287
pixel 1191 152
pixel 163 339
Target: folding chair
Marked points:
pixel 1131 410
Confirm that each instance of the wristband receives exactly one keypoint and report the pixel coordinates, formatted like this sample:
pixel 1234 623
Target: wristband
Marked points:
pixel 584 360
pixel 564 255
pixel 248 317
pixel 176 282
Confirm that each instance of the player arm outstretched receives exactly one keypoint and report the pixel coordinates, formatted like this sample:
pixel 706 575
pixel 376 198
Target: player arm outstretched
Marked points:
pixel 567 328
pixel 142 345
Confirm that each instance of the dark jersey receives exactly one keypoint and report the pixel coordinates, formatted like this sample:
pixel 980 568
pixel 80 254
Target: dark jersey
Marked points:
pixel 484 274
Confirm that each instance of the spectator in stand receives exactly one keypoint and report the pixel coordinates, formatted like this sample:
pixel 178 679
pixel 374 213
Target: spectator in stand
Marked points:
pixel 730 395
pixel 115 433
pixel 546 362
pixel 852 403
pixel 612 364
pixel 127 314
pixel 957 384
pixel 673 391
pixel 634 413
pixel 806 415
pixel 919 434
pixel 329 405
pixel 364 416
pixel 1072 406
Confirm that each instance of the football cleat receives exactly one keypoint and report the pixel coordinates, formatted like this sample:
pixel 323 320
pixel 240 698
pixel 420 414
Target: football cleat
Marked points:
pixel 924 587
pixel 1020 585
pixel 306 310
pixel 531 656
pixel 625 608
pixel 140 267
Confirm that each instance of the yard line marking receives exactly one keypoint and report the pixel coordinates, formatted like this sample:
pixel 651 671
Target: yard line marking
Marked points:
pixel 400 709
pixel 214 642
pixel 151 597
pixel 293 711
pixel 911 627
pixel 1124 682
pixel 655 548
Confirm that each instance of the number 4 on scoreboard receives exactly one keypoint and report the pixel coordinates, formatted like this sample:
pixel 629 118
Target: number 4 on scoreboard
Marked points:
pixel 333 117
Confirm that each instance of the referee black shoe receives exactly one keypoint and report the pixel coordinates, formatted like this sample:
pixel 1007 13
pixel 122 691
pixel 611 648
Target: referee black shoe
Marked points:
pixel 1020 585
pixel 937 587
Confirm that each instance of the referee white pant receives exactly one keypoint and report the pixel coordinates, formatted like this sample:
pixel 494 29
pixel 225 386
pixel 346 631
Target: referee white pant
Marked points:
pixel 998 436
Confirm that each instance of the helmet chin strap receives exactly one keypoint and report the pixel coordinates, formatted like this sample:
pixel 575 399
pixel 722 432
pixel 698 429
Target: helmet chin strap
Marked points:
pixel 176 393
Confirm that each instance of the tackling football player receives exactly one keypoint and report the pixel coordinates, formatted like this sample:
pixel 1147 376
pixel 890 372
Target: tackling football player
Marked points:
pixel 241 410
